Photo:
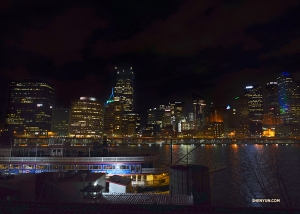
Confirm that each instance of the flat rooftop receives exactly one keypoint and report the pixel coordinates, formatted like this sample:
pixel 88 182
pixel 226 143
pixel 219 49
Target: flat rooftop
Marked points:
pixel 139 198
pixel 116 179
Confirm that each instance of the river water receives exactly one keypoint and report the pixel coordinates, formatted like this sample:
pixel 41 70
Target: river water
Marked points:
pixel 241 173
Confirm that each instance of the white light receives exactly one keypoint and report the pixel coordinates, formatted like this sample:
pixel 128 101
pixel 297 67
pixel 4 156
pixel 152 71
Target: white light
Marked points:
pixel 88 98
pixel 39 105
pixel 247 87
pixel 95 184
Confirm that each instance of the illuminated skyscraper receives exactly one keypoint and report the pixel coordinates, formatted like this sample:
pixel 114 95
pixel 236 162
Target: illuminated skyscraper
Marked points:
pixel 199 105
pixel 86 117
pixel 123 90
pixel 117 121
pixel 131 123
pixel 30 107
pixel 272 98
pixel 255 101
pixel 288 99
pixel 156 116
pixel 177 114
pixel 271 116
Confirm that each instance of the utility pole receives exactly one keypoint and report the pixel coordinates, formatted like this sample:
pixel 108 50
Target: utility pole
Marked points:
pixel 171 151
pixel 187 156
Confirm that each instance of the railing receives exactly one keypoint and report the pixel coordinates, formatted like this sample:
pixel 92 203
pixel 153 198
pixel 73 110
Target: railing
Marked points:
pixel 155 170
pixel 79 159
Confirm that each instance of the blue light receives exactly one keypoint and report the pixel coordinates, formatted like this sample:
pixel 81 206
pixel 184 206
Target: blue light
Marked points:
pixel 285 73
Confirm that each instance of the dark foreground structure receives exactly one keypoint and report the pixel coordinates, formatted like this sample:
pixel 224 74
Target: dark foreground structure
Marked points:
pixel 76 208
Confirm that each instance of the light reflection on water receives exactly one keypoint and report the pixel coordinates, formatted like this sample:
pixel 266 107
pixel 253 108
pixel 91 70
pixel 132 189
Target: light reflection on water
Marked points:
pixel 235 185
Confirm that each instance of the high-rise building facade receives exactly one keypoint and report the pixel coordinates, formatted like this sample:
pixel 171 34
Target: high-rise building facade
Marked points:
pixel 271 116
pixel 272 98
pixel 86 117
pixel 117 121
pixel 288 99
pixel 255 101
pixel 156 116
pixel 177 114
pixel 60 121
pixel 216 120
pixel 109 119
pixel 199 116
pixel 30 107
pixel 132 123
pixel 123 90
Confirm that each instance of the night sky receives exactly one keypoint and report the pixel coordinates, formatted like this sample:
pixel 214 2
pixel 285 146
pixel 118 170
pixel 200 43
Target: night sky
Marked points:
pixel 212 48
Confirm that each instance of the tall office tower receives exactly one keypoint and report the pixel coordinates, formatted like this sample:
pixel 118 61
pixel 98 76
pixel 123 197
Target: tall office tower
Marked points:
pixel 60 121
pixel 216 120
pixel 86 117
pixel 29 107
pixel 288 98
pixel 190 120
pixel 109 119
pixel 199 106
pixel 123 90
pixel 242 108
pixel 167 116
pixel 272 98
pixel 191 117
pixel 216 114
pixel 242 114
pixel 117 121
pixel 177 114
pixel 132 123
pixel 271 116
pixel 255 101
pixel 156 116
pixel 233 118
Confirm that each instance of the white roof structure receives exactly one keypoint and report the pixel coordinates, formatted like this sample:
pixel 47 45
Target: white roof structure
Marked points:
pixel 140 198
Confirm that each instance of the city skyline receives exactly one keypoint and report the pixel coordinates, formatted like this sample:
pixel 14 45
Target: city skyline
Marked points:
pixel 263 91
pixel 213 49
pixel 31 103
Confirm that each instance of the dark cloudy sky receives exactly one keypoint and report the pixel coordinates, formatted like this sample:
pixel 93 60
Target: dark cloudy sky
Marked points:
pixel 213 48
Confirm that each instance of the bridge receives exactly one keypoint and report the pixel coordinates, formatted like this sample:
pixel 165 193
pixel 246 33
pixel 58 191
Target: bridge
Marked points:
pixel 69 141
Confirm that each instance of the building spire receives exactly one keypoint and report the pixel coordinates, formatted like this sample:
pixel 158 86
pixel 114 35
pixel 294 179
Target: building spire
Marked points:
pixel 111 98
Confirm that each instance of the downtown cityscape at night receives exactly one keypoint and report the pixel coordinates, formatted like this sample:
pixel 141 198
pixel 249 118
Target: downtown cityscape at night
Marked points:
pixel 272 110
pixel 139 106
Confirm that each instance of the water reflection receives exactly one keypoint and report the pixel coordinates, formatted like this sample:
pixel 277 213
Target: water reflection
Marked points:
pixel 236 184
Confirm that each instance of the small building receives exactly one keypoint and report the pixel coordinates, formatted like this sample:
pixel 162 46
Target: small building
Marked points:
pixel 119 184
pixel 92 191
pixel 67 186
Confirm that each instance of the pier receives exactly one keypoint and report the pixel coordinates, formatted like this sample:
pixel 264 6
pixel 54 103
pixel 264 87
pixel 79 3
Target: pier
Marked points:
pixel 138 141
